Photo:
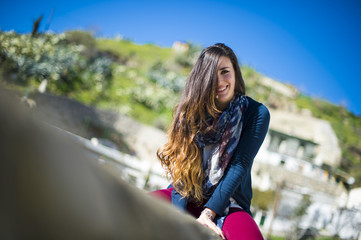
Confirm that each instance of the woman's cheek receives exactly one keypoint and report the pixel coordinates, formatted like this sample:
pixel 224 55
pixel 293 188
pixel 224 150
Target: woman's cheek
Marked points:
pixel 227 76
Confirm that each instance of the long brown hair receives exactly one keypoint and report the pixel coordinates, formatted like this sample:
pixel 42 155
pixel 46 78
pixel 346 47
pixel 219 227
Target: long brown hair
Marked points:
pixel 181 156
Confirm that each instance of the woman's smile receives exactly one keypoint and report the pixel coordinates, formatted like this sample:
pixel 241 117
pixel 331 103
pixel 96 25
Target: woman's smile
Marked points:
pixel 222 90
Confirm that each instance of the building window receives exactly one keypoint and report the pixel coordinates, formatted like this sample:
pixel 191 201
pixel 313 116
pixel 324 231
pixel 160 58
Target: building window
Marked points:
pixel 291 145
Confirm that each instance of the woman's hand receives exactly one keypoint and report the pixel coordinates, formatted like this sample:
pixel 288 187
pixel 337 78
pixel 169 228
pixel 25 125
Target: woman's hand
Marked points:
pixel 206 219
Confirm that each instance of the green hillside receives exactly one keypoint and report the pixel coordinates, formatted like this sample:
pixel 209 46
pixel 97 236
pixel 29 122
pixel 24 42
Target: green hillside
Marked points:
pixel 142 81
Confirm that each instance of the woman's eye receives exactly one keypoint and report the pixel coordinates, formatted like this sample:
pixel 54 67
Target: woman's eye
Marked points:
pixel 224 72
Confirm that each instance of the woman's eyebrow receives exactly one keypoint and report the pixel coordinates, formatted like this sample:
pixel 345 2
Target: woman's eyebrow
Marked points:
pixel 223 68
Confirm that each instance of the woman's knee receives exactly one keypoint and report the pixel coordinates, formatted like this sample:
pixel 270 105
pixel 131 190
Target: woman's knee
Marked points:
pixel 240 225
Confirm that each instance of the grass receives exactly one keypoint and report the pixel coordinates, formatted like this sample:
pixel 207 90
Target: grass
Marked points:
pixel 144 55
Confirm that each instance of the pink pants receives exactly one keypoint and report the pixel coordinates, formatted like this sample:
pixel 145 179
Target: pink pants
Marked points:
pixel 238 225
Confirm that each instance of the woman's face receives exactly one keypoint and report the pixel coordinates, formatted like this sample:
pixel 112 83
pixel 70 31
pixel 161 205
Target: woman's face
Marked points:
pixel 225 83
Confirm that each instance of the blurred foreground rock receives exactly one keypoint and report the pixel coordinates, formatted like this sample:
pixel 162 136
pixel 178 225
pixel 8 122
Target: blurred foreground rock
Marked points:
pixel 130 136
pixel 51 190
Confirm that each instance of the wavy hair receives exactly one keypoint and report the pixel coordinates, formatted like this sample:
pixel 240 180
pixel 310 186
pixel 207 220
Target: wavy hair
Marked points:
pixel 180 156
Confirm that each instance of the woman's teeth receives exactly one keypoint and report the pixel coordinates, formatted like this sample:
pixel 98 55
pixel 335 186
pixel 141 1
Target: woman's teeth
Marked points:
pixel 221 89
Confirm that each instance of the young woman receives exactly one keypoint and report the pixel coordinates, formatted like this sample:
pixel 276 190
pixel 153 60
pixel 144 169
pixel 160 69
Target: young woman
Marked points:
pixel 215 135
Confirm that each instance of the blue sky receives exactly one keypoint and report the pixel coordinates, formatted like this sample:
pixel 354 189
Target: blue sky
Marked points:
pixel 313 45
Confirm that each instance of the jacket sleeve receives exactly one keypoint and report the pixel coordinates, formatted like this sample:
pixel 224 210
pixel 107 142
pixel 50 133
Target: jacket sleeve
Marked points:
pixel 250 141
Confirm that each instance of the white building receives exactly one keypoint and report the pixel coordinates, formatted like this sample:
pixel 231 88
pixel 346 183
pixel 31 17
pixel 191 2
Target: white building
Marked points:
pixel 301 152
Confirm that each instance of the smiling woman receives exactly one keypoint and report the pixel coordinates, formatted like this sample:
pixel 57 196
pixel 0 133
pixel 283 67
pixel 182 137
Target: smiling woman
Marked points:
pixel 215 135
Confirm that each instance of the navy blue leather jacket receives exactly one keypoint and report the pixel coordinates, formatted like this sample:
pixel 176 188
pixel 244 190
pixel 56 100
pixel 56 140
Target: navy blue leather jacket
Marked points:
pixel 236 181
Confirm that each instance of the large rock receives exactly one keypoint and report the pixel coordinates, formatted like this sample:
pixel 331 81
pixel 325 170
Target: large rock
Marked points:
pixel 51 190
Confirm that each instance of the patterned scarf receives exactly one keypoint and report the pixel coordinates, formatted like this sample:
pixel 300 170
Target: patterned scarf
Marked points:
pixel 221 142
